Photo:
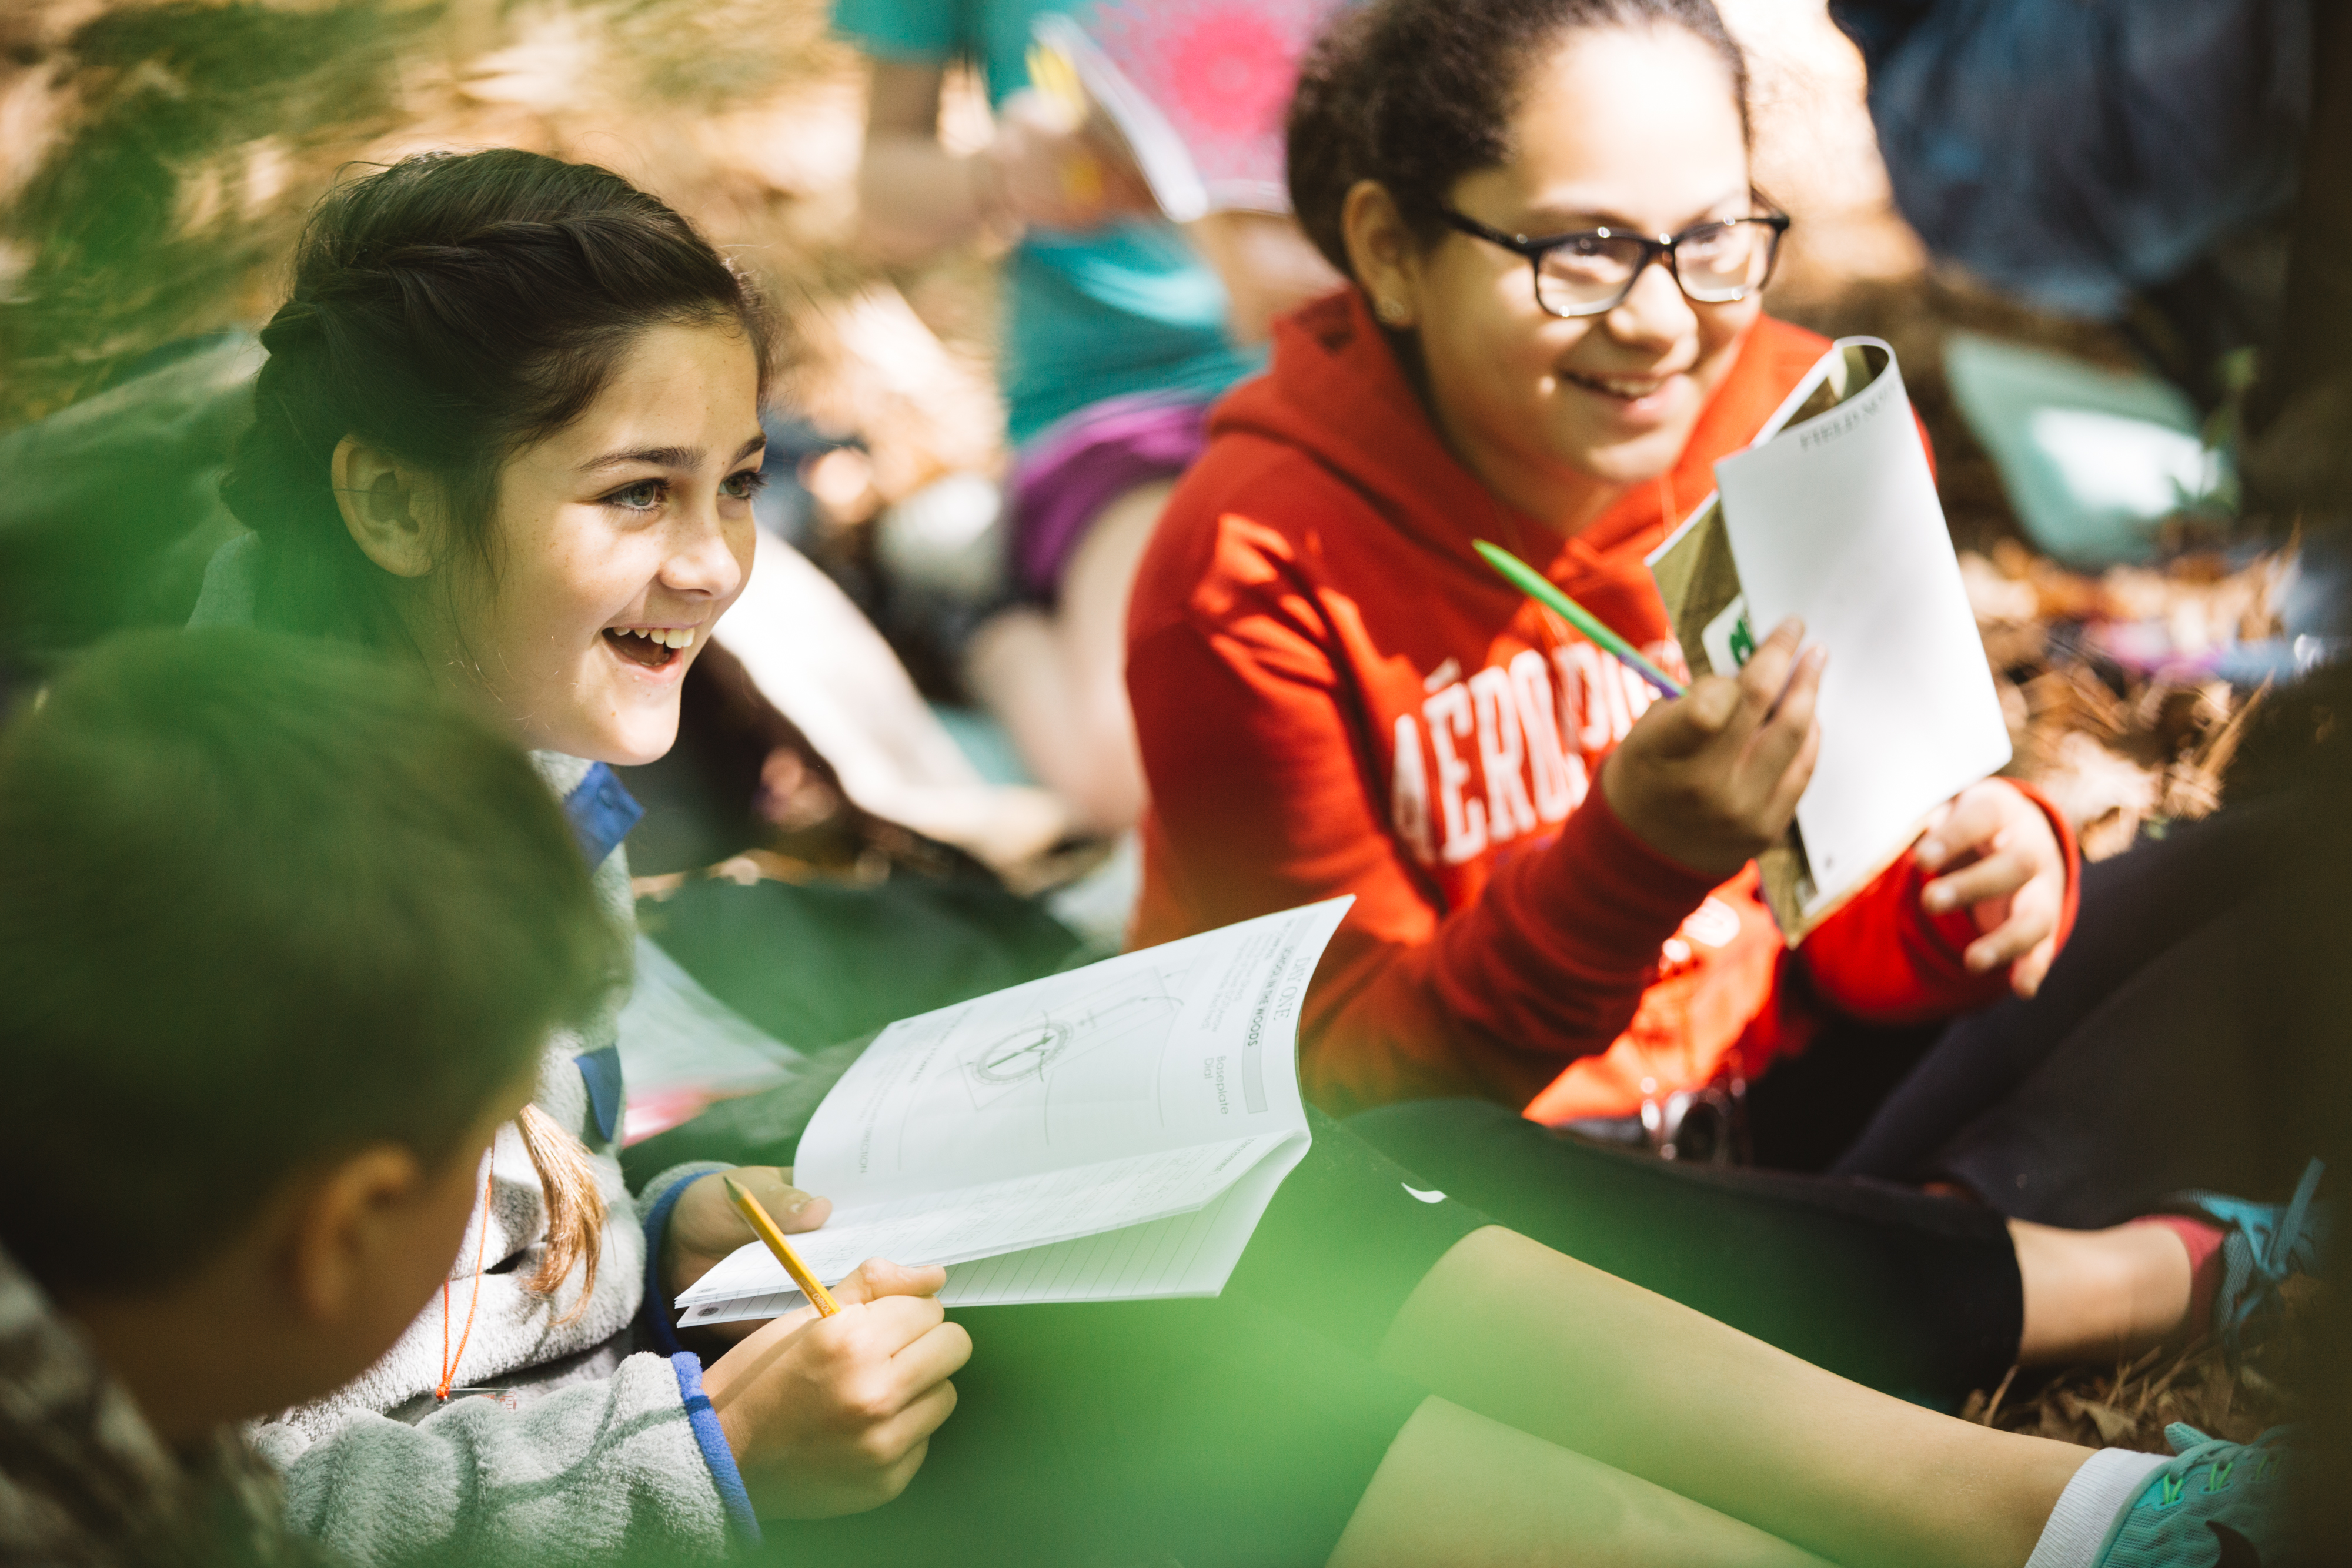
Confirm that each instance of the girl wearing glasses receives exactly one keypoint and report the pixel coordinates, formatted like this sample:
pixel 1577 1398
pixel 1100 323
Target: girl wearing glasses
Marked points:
pixel 1551 331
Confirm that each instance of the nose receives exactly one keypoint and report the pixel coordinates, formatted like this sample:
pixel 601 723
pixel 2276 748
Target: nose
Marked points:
pixel 1655 313
pixel 704 559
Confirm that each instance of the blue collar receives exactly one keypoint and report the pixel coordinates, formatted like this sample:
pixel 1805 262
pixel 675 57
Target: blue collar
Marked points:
pixel 600 814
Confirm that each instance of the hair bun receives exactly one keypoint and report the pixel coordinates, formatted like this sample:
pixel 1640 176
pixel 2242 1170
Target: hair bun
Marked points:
pixel 295 319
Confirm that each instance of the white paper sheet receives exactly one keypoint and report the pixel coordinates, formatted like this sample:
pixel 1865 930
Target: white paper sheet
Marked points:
pixel 1836 519
pixel 1110 1134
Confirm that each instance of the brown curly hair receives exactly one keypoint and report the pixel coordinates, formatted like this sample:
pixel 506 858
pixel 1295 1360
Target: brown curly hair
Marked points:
pixel 1415 94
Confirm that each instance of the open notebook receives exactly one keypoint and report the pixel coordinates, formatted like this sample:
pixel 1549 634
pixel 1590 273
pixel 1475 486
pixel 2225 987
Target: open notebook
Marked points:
pixel 1112 1134
pixel 1830 514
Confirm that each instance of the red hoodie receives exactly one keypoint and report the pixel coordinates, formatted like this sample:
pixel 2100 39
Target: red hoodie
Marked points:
pixel 1335 694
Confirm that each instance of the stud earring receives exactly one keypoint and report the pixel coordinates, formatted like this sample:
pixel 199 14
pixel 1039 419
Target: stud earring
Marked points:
pixel 1391 312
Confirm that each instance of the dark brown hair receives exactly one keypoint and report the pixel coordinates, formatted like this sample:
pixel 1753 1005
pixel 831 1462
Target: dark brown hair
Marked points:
pixel 451 309
pixel 262 901
pixel 1417 93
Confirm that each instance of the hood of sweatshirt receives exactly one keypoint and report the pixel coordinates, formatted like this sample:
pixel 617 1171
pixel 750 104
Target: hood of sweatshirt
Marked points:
pixel 1336 391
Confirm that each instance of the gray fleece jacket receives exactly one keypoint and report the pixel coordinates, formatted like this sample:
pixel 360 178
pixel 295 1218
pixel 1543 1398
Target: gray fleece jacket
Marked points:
pixel 593 1439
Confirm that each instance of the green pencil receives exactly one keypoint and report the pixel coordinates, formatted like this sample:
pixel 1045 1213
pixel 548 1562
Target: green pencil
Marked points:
pixel 1535 584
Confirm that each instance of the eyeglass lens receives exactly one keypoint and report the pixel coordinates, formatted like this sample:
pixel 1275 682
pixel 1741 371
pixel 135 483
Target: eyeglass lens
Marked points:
pixel 1716 263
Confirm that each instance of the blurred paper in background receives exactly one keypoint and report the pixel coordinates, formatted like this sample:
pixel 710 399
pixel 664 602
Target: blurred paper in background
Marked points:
pixel 2093 459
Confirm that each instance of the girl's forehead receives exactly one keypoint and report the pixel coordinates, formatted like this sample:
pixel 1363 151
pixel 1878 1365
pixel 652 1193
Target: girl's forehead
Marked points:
pixel 1638 123
pixel 677 397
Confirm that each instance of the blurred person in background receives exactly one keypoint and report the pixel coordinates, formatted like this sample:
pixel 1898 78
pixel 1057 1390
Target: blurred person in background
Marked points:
pixel 1116 334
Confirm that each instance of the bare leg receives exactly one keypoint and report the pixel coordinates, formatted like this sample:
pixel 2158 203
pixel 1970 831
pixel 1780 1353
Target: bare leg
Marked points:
pixel 1058 682
pixel 2096 1293
pixel 1520 1333
pixel 1458 1489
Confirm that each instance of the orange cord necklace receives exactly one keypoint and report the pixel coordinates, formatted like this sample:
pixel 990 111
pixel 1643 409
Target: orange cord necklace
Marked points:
pixel 448 1362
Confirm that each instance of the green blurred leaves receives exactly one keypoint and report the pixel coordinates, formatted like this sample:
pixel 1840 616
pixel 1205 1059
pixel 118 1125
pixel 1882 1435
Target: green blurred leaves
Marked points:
pixel 151 213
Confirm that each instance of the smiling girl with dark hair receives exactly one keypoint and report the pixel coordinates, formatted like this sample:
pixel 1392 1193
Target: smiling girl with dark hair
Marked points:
pixel 1552 330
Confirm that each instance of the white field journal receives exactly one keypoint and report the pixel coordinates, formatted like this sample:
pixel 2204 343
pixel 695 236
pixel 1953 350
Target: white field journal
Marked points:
pixel 1832 515
pixel 1112 1134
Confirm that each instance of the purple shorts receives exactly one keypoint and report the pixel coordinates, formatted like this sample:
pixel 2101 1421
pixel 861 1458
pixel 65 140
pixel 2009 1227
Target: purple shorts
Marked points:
pixel 1067 474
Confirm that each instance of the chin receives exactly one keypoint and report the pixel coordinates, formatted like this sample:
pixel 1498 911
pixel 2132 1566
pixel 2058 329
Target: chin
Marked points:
pixel 641 744
pixel 1634 461
pixel 628 739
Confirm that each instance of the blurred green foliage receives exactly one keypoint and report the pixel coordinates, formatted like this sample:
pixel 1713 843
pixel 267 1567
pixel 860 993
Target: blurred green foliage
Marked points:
pixel 143 222
pixel 189 137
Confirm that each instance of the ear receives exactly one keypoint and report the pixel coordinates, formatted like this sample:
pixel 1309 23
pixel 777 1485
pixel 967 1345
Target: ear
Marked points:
pixel 348 1217
pixel 384 506
pixel 1382 253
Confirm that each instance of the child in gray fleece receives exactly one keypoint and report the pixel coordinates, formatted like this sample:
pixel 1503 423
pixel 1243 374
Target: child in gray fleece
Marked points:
pixel 197 836
pixel 508 429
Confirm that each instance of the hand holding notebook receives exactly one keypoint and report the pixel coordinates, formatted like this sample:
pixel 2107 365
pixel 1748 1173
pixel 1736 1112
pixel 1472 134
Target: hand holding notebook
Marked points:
pixel 1112 1134
pixel 1830 516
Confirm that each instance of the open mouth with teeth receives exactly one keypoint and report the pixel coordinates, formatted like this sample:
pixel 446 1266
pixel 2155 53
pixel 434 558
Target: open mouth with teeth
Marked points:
pixel 654 647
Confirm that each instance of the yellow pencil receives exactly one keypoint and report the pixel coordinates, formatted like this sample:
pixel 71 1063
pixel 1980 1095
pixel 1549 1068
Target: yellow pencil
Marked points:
pixel 749 1207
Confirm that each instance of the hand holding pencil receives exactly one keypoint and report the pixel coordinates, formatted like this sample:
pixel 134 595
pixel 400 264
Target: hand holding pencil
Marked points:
pixel 832 1414
pixel 766 1228
pixel 1712 779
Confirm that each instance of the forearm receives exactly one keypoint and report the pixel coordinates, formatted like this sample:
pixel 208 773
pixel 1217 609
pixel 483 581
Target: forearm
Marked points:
pixel 591 1472
pixel 1550 964
pixel 915 198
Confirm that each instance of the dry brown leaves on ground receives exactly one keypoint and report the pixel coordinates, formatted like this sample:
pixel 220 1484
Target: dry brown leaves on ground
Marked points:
pixel 2127 1405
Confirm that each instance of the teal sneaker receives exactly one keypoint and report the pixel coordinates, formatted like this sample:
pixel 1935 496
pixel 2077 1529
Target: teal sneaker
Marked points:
pixel 2265 1244
pixel 2216 1505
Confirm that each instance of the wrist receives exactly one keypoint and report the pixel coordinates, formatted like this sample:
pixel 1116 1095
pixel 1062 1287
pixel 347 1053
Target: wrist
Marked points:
pixel 1654 833
pixel 991 193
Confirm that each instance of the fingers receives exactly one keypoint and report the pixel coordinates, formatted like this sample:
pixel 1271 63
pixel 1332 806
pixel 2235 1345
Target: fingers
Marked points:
pixel 936 1356
pixel 2014 881
pixel 2022 925
pixel 1997 875
pixel 1689 724
pixel 890 1441
pixel 1774 748
pixel 1780 806
pixel 1766 674
pixel 1968 823
pixel 2011 940
pixel 877 1278
pixel 2025 976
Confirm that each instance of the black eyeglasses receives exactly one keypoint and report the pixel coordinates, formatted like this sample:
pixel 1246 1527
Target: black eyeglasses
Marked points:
pixel 1591 272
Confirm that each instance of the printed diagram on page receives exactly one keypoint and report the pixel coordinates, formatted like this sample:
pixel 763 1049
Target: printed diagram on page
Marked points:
pixel 1103 1048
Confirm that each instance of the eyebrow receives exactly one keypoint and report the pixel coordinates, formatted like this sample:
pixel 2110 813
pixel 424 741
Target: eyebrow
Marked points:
pixel 1559 220
pixel 671 456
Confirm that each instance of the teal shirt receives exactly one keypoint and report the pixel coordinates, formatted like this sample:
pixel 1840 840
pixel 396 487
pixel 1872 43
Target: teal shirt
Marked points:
pixel 1104 313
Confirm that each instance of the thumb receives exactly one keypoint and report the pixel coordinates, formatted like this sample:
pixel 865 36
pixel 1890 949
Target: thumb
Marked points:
pixel 878 1277
pixel 793 1210
pixel 1683 726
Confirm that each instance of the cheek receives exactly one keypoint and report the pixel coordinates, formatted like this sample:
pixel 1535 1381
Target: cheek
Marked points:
pixel 1500 362
pixel 1720 329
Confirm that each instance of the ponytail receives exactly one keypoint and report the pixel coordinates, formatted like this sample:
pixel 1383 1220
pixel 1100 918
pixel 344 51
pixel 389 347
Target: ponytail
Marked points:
pixel 575 1208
